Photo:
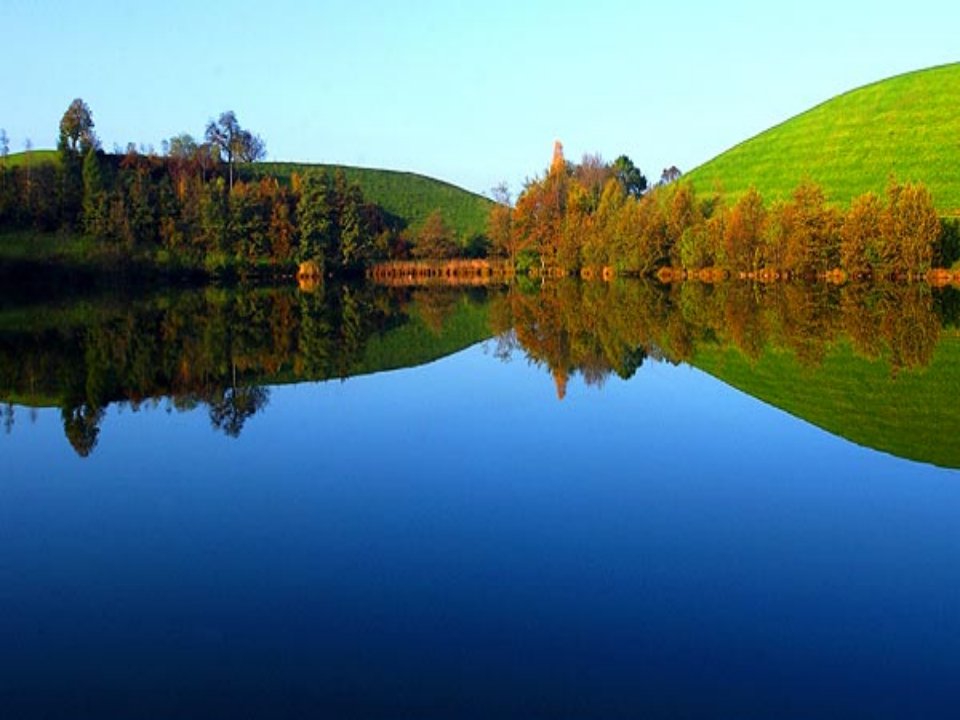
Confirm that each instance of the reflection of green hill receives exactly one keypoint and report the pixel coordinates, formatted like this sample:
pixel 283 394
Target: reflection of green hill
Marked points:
pixel 416 344
pixel 913 416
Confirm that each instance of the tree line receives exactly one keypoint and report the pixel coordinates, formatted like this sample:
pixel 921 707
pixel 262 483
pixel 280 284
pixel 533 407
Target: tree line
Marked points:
pixel 191 205
pixel 589 215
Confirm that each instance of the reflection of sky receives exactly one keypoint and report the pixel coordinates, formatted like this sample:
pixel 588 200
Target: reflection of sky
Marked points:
pixel 452 537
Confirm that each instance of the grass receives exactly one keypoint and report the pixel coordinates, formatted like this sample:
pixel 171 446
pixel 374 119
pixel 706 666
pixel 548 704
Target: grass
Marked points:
pixel 405 195
pixel 910 416
pixel 34 157
pixel 54 248
pixel 906 126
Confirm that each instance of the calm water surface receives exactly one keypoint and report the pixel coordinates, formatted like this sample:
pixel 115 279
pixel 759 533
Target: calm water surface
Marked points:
pixel 451 539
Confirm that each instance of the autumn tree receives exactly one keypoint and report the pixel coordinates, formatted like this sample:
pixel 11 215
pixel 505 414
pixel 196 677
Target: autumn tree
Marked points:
pixel 182 157
pixel 540 209
pixel 76 139
pixel 435 239
pixel 575 241
pixel 860 236
pixel 643 225
pixel 283 230
pixel 745 230
pixel 715 229
pixel 76 130
pixel 684 218
pixel 911 228
pixel 591 174
pixel 811 243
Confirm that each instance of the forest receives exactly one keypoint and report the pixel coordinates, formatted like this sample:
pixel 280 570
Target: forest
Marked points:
pixel 596 217
pixel 193 204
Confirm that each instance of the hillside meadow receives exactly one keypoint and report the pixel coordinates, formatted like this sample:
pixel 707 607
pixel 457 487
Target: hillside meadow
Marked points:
pixel 906 127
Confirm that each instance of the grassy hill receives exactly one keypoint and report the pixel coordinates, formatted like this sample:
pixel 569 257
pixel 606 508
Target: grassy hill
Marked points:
pixel 405 195
pixel 907 126
pixel 34 156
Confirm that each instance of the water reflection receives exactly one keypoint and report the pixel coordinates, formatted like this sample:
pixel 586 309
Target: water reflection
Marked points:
pixel 217 349
pixel 834 355
pixel 597 329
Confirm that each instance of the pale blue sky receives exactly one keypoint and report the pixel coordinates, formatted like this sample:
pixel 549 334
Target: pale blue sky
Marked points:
pixel 468 92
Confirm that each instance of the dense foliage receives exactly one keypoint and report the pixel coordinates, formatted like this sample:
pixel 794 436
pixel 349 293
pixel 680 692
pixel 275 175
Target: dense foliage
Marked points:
pixel 586 216
pixel 187 206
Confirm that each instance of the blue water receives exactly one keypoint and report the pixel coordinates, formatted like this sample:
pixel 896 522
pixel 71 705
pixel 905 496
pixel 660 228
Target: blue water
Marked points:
pixel 451 540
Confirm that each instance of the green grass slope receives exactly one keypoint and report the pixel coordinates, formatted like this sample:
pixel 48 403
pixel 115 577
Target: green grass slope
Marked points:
pixel 34 157
pixel 406 195
pixel 913 416
pixel 907 126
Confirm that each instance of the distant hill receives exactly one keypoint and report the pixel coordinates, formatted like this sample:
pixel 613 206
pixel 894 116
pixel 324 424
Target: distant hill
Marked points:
pixel 406 196
pixel 907 126
pixel 34 156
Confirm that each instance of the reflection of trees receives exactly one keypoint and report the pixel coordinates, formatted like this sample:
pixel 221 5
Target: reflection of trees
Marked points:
pixel 82 427
pixel 901 320
pixel 235 405
pixel 436 305
pixel 218 348
pixel 209 348
pixel 594 329
pixel 806 319
pixel 912 330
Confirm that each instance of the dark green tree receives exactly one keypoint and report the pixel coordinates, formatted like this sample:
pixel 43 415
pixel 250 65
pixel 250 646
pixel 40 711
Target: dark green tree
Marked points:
pixel 231 409
pixel 629 176
pixel 94 195
pixel 76 139
pixel 315 211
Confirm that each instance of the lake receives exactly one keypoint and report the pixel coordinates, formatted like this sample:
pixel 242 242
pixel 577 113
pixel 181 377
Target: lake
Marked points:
pixel 556 499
